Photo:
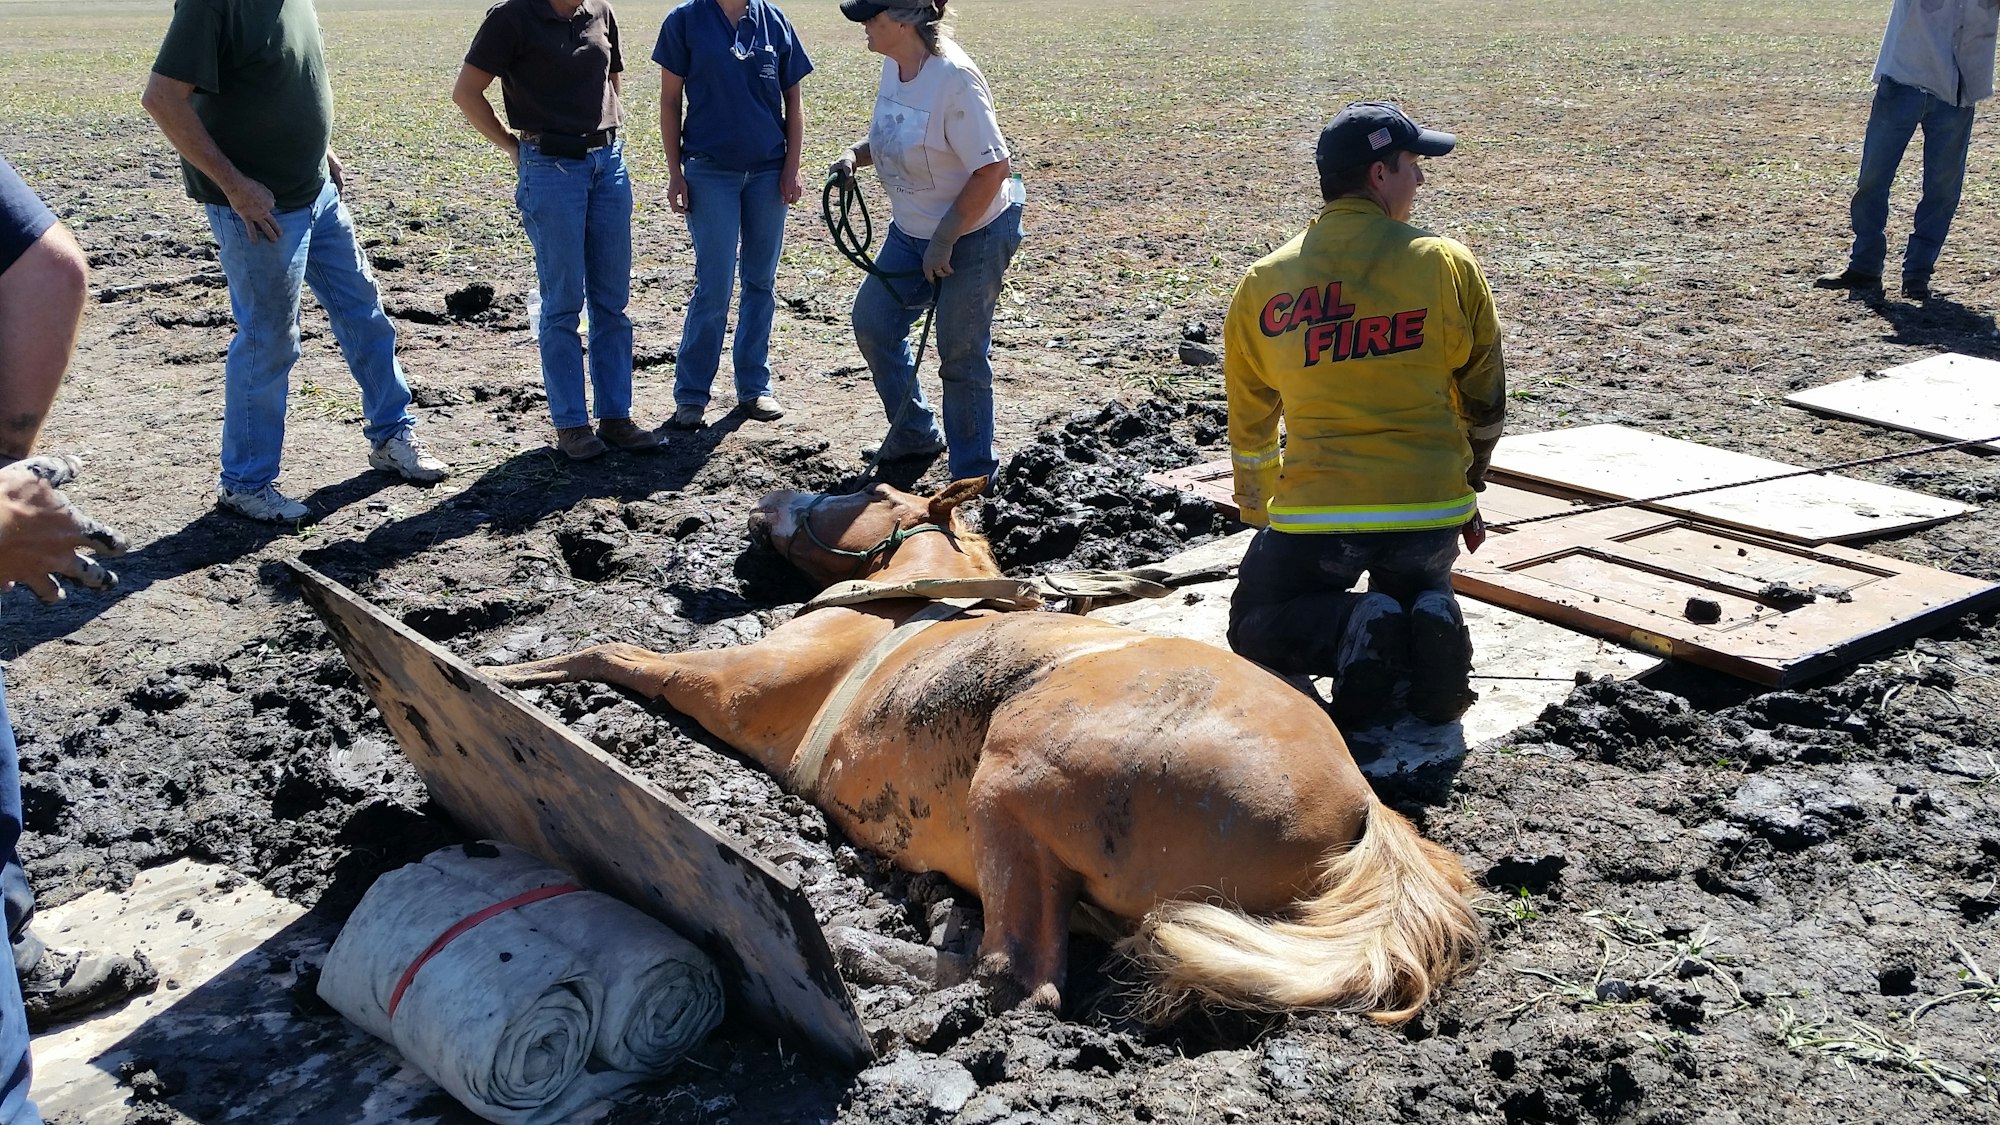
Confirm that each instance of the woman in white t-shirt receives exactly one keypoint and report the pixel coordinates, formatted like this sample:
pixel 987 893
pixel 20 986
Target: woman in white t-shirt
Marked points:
pixel 935 141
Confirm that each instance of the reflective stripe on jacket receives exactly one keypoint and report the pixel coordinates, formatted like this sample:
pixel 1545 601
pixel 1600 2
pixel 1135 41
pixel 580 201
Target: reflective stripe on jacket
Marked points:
pixel 1377 344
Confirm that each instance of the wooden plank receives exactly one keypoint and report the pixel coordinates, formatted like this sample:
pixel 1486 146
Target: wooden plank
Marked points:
pixel 1633 585
pixel 1520 664
pixel 1502 501
pixel 1626 574
pixel 1624 463
pixel 1950 397
pixel 506 771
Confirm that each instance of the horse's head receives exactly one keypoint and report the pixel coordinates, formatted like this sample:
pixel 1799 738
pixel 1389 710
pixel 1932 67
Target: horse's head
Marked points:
pixel 836 536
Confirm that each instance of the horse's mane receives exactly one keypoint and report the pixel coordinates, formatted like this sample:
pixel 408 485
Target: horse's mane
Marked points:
pixel 976 546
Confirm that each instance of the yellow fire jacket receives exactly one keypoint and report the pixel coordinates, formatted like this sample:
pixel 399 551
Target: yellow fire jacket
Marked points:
pixel 1378 345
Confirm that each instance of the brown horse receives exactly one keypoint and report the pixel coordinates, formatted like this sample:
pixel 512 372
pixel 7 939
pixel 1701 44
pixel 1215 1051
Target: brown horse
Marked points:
pixel 1040 759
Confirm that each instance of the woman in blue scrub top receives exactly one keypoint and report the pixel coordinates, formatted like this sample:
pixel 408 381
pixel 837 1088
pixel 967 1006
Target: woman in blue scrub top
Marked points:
pixel 734 151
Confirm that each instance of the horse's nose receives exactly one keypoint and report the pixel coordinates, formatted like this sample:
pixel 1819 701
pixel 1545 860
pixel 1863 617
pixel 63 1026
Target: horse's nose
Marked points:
pixel 760 526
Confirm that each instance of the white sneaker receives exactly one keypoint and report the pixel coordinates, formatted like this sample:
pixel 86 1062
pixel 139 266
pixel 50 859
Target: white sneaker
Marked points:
pixel 403 453
pixel 265 504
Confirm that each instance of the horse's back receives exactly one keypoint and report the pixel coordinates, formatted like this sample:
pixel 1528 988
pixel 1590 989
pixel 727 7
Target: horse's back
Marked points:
pixel 1154 767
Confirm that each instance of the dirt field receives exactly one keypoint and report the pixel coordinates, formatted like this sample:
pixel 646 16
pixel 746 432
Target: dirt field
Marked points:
pixel 1707 905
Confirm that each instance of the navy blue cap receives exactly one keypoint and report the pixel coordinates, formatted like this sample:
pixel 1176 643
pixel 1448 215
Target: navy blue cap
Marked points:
pixel 1365 132
pixel 861 11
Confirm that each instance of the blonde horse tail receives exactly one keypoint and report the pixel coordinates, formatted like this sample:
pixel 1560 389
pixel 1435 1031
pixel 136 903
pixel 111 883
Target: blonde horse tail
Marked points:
pixel 1389 925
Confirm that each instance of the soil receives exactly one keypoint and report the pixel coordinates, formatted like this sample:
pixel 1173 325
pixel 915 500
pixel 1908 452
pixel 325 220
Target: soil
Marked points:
pixel 1705 903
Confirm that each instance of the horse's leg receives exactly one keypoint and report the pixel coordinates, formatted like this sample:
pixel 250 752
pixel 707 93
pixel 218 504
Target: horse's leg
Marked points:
pixel 731 692
pixel 627 666
pixel 1028 895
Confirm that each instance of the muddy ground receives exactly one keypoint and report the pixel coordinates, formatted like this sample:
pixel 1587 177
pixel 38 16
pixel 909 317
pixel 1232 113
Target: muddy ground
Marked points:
pixel 1705 903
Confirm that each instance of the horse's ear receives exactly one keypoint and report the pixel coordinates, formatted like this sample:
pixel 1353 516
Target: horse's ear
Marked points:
pixel 954 494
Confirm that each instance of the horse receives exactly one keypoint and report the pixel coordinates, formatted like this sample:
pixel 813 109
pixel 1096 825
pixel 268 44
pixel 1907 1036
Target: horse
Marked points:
pixel 1046 760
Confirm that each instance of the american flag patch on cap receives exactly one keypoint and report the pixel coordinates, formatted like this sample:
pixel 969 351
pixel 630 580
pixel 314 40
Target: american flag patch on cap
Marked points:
pixel 1378 138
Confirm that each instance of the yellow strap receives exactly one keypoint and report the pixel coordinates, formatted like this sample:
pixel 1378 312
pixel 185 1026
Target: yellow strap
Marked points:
pixel 804 775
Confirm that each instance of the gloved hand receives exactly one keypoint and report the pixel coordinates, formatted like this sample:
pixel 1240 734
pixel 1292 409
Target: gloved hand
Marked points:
pixel 1475 477
pixel 1473 532
pixel 937 258
pixel 937 252
pixel 42 538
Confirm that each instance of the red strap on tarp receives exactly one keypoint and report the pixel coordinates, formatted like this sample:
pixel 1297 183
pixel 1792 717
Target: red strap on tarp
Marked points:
pixel 463 924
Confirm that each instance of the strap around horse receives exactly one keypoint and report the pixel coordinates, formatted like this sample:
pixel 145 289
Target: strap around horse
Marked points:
pixel 804 775
pixel 1078 586
pixel 1006 592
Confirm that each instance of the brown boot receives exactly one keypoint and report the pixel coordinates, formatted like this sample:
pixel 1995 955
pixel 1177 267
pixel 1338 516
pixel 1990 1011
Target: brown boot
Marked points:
pixel 579 443
pixel 623 433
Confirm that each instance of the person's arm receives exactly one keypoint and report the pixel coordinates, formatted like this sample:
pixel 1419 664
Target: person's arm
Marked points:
pixel 171 104
pixel 789 184
pixel 672 86
pixel 1254 410
pixel 469 95
pixel 1480 384
pixel 41 306
pixel 971 203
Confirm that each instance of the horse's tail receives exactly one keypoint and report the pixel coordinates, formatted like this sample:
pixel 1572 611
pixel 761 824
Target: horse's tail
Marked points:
pixel 1390 923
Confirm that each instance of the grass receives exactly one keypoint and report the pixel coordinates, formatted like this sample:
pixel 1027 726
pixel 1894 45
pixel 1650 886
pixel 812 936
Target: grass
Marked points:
pixel 1975 985
pixel 1669 958
pixel 1866 1044
pixel 1174 138
pixel 337 403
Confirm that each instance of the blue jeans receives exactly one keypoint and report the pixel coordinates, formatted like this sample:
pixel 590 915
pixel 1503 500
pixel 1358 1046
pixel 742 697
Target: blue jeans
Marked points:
pixel 725 209
pixel 1896 115
pixel 315 246
pixel 578 215
pixel 963 337
pixel 15 1066
pixel 1294 593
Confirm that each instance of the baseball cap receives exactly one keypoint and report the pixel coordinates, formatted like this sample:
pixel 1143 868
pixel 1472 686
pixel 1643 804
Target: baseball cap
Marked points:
pixel 1365 132
pixel 861 11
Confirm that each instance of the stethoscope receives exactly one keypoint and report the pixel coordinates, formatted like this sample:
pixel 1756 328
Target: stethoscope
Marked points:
pixel 745 46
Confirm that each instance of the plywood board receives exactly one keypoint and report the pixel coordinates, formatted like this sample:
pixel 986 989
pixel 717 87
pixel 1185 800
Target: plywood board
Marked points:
pixel 1501 502
pixel 1950 397
pixel 1616 575
pixel 1520 664
pixel 506 771
pixel 1623 464
pixel 229 1026
pixel 1637 553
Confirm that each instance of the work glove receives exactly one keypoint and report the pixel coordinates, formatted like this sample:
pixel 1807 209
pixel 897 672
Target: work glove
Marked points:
pixel 1473 532
pixel 43 538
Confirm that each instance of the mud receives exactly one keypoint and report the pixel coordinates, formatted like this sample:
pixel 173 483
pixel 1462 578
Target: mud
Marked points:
pixel 1705 903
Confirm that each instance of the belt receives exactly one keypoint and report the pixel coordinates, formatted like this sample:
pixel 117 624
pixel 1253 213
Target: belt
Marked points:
pixel 589 142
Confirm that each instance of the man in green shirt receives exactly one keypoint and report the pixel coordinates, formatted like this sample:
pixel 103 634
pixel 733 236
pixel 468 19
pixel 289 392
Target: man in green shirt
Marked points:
pixel 240 88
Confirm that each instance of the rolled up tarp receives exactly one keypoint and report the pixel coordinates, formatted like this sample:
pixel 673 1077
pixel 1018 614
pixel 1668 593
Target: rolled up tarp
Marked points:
pixel 661 994
pixel 491 1008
